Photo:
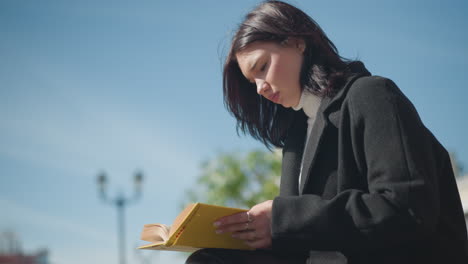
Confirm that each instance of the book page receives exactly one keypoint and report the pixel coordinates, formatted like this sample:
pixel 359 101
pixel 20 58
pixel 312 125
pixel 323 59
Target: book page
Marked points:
pixel 155 233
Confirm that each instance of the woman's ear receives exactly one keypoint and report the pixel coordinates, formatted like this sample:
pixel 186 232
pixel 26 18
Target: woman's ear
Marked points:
pixel 296 43
pixel 300 44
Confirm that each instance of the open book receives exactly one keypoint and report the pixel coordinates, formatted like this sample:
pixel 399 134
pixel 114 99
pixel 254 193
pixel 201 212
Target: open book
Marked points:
pixel 191 230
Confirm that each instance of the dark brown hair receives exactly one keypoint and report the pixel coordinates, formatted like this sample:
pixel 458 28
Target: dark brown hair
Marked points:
pixel 323 70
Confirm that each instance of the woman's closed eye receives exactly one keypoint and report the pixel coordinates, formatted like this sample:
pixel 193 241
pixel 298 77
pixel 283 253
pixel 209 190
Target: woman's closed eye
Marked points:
pixel 262 69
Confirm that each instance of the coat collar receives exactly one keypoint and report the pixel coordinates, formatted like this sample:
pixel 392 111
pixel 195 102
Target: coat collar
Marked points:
pixel 327 113
pixel 359 71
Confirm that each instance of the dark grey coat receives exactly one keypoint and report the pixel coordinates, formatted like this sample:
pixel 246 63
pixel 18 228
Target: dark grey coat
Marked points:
pixel 377 186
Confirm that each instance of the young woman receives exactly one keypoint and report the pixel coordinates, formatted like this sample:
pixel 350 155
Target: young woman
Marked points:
pixel 363 180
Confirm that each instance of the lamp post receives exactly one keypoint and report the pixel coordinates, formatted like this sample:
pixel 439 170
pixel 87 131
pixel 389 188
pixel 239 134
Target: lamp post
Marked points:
pixel 120 201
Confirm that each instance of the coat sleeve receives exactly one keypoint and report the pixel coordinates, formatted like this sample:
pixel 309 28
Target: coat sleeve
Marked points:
pixel 401 205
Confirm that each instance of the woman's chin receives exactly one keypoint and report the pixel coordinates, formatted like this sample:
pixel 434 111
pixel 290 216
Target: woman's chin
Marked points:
pixel 285 104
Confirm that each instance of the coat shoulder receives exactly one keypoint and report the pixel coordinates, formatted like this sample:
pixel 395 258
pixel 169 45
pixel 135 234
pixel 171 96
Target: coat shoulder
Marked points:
pixel 372 86
pixel 372 92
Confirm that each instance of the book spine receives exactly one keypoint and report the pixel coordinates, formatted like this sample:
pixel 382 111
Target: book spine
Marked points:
pixel 173 239
pixel 180 232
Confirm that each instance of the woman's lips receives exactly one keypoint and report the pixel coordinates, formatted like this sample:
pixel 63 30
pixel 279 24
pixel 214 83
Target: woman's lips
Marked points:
pixel 275 97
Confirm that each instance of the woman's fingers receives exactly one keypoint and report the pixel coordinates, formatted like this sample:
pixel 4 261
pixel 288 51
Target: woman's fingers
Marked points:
pixel 248 235
pixel 253 226
pixel 260 243
pixel 253 239
pixel 234 228
pixel 251 234
pixel 232 219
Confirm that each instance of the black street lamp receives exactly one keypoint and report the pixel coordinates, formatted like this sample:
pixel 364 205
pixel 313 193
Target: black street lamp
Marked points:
pixel 120 202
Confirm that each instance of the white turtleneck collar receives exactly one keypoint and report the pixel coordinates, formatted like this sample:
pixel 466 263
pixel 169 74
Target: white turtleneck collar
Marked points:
pixel 310 103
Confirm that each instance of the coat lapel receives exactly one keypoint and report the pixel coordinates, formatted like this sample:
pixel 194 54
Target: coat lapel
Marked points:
pixel 313 143
pixel 319 129
pixel 292 156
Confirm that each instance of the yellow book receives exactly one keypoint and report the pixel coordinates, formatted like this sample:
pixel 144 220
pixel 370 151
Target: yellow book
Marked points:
pixel 192 230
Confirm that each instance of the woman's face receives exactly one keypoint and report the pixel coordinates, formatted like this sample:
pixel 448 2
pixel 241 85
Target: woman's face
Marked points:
pixel 275 69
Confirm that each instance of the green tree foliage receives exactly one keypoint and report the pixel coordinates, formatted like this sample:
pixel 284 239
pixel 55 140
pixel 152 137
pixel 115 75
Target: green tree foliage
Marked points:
pixel 238 180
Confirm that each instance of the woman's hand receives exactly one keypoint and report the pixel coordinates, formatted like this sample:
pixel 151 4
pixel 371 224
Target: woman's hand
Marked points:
pixel 254 226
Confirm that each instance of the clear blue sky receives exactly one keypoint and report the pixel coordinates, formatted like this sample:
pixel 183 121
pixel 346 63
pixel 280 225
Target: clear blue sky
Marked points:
pixel 93 85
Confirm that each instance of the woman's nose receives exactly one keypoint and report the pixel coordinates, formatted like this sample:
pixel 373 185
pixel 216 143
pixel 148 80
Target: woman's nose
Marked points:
pixel 261 87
